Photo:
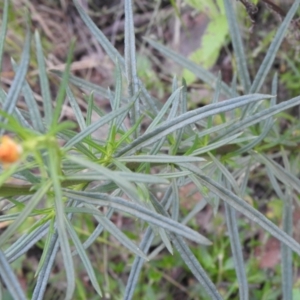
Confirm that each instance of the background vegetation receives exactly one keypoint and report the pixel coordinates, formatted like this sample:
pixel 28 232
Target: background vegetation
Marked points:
pixel 159 150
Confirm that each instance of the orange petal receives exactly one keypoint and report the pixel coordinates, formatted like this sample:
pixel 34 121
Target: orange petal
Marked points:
pixel 10 151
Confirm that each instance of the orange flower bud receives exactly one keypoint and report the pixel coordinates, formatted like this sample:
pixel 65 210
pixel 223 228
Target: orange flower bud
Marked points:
pixel 10 151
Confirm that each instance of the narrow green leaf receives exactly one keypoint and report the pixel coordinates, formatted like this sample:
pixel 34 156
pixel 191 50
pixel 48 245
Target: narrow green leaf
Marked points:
pixel 193 264
pixel 17 113
pixel 246 209
pixel 12 228
pixel 137 264
pixel 95 234
pixel 44 83
pixel 237 252
pixel 130 59
pixel 260 116
pixel 286 253
pixel 118 234
pixel 76 109
pixel 182 110
pixel 137 211
pixel 84 258
pixel 131 177
pixel 45 272
pixel 188 118
pixel 123 183
pixel 283 175
pixel 16 86
pixel 164 159
pixel 138 261
pixel 60 98
pixel 189 258
pixel 94 126
pixel 216 145
pixel 100 37
pixel 60 218
pixel 3 29
pixel 226 173
pixel 25 242
pixel 238 47
pixel 200 72
pixel 10 279
pixel 163 110
pixel 267 63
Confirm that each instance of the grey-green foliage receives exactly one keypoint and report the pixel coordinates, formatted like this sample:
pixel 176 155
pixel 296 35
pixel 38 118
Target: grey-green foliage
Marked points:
pixel 120 168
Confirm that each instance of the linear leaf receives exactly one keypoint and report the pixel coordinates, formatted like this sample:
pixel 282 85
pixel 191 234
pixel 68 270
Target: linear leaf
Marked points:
pixel 60 218
pixel 188 118
pixel 84 258
pixel 118 234
pixel 60 98
pixel 10 279
pixel 238 47
pixel 100 37
pixel 3 29
pixel 138 264
pixel 136 210
pixel 44 274
pixel 283 175
pixel 130 60
pixel 36 198
pixel 267 63
pixel 260 116
pixel 123 183
pixel 96 125
pixel 25 242
pixel 200 72
pixel 44 83
pixel 190 259
pixel 160 159
pixel 237 252
pixel 163 110
pixel 76 109
pixel 245 208
pixel 95 234
pixel 16 86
